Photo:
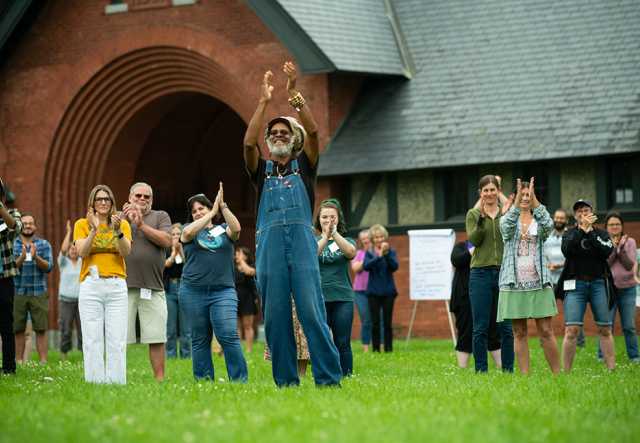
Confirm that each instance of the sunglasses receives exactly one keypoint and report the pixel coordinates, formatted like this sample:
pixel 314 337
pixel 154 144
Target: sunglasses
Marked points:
pixel 283 132
pixel 145 196
pixel 102 200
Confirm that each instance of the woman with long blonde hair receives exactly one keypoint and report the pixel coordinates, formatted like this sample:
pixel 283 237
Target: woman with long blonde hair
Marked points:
pixel 103 240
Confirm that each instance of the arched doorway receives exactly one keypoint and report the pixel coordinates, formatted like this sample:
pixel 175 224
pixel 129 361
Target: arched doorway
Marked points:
pixel 133 118
pixel 183 144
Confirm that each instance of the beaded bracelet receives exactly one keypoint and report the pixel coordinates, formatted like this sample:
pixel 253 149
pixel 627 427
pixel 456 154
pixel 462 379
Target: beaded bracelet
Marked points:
pixel 297 101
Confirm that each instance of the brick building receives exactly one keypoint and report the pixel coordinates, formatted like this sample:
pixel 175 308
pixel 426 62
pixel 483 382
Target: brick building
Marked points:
pixel 414 100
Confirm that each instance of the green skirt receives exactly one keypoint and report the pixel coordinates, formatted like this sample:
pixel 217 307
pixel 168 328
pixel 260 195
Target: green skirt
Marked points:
pixel 535 303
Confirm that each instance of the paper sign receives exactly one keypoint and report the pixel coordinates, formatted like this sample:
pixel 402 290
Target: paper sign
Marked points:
pixel 178 259
pixel 430 265
pixel 333 247
pixel 145 294
pixel 3 226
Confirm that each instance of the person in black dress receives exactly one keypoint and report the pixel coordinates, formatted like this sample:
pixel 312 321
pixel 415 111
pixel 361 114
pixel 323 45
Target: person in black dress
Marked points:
pixel 247 294
pixel 460 307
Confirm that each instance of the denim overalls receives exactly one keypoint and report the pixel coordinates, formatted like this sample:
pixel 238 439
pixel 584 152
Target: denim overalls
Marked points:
pixel 286 264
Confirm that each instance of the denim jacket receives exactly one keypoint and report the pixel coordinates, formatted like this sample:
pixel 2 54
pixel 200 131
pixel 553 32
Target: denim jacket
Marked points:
pixel 510 230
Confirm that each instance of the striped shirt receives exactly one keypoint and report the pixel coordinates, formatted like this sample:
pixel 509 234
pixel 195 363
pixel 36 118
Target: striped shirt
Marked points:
pixel 8 266
pixel 31 280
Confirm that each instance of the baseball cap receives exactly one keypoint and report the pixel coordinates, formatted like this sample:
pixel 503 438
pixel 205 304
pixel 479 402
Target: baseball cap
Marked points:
pixel 580 203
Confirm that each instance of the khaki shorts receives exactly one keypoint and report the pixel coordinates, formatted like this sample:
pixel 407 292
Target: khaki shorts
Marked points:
pixel 153 317
pixel 38 307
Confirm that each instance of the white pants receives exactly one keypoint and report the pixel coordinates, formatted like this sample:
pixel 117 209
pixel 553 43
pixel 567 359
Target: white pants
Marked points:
pixel 103 308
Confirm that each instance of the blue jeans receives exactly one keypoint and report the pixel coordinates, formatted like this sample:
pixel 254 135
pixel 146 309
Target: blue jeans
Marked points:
pixel 626 303
pixel 483 293
pixel 362 303
pixel 340 319
pixel 214 310
pixel 575 303
pixel 177 325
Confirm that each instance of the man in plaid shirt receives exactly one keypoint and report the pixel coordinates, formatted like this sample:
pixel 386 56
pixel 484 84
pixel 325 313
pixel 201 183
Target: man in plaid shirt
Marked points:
pixel 10 227
pixel 34 260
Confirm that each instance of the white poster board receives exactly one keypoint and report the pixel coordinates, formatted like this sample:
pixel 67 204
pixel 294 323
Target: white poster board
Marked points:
pixel 430 269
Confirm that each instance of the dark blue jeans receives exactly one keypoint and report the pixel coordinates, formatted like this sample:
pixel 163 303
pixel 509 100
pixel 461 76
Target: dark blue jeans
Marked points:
pixel 340 319
pixel 483 293
pixel 626 303
pixel 214 310
pixel 362 303
pixel 178 328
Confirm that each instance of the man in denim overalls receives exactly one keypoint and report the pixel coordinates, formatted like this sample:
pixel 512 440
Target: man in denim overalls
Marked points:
pixel 286 249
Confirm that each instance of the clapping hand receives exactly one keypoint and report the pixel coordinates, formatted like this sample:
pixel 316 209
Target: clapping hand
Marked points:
pixel 116 219
pixel 290 69
pixel 266 88
pixel 92 219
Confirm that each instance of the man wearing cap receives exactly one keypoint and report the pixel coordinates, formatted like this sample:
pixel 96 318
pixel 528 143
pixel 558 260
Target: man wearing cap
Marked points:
pixel 586 249
pixel 10 229
pixel 286 249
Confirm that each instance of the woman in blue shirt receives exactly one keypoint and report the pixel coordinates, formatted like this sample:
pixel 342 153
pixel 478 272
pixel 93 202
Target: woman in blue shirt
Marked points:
pixel 381 262
pixel 207 287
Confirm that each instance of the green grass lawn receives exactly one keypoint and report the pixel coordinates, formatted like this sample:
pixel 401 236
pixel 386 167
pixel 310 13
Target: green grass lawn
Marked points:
pixel 415 394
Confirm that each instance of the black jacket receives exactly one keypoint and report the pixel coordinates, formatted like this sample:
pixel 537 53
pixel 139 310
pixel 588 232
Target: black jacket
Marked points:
pixel 586 253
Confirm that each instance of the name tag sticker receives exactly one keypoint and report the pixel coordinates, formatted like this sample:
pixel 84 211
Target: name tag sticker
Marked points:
pixel 569 285
pixel 28 257
pixel 218 230
pixel 333 247
pixel 145 294
pixel 3 226
pixel 178 259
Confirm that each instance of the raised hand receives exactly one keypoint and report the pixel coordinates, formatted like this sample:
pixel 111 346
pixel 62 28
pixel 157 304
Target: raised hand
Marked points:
pixel 384 248
pixel 266 88
pixel 116 219
pixel 482 203
pixel 93 220
pixel 290 69
pixel 518 197
pixel 68 225
pixel 532 194
pixel 220 196
pixel 507 204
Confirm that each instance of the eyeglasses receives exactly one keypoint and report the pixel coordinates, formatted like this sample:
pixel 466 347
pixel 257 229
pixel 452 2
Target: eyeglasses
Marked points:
pixel 102 200
pixel 613 225
pixel 145 196
pixel 282 132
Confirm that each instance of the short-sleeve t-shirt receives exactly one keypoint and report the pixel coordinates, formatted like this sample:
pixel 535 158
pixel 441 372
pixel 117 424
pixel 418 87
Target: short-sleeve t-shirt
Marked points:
pixel 145 263
pixel 209 259
pixel 334 273
pixel 104 249
pixel 307 172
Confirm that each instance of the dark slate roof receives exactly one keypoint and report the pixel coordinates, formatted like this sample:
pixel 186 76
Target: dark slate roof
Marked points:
pixel 500 81
pixel 356 35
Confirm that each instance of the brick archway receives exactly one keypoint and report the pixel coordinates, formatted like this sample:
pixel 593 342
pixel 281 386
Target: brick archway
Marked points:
pixel 98 113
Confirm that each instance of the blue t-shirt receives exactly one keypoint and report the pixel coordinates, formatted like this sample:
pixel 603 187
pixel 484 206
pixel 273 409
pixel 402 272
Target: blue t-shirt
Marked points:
pixel 209 259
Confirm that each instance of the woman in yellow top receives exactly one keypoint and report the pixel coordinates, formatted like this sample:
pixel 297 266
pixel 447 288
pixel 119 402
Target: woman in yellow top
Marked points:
pixel 103 239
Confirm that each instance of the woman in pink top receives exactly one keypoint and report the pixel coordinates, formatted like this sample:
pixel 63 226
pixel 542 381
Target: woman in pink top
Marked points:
pixel 360 283
pixel 622 262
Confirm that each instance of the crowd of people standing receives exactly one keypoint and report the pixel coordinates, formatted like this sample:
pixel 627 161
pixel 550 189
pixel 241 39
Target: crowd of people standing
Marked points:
pixel 129 275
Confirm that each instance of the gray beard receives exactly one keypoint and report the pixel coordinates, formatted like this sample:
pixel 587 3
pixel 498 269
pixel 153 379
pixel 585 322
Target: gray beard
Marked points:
pixel 280 150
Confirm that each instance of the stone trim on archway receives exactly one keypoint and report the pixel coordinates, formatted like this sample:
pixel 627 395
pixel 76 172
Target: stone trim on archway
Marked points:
pixel 102 107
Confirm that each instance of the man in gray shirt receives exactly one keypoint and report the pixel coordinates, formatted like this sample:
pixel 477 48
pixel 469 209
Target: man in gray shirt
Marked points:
pixel 150 231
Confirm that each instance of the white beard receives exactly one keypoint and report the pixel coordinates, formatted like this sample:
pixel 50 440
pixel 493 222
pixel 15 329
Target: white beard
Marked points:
pixel 280 150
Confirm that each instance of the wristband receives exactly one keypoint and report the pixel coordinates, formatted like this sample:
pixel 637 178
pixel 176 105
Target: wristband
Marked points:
pixel 120 235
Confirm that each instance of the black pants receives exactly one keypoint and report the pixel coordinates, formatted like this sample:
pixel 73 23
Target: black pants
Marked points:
pixel 7 292
pixel 385 303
